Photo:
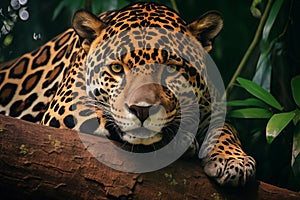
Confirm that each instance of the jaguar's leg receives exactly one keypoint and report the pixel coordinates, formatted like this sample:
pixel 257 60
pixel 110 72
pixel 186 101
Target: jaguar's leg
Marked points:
pixel 225 161
pixel 78 115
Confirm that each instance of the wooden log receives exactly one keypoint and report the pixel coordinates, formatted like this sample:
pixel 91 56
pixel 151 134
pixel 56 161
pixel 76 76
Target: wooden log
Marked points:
pixel 38 162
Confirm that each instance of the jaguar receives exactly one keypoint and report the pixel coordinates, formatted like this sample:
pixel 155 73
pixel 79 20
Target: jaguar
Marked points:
pixel 132 75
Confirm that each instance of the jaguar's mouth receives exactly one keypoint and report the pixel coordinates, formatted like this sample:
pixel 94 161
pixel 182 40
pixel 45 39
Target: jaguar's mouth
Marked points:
pixel 142 136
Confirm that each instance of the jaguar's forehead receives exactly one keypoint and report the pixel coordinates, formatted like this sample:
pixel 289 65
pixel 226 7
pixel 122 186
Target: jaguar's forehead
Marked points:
pixel 141 33
pixel 146 45
pixel 147 15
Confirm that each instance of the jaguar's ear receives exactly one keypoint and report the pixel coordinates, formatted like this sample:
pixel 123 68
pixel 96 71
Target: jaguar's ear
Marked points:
pixel 87 26
pixel 206 28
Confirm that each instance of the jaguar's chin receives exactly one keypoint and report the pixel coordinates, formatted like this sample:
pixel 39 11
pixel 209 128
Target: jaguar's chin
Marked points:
pixel 142 136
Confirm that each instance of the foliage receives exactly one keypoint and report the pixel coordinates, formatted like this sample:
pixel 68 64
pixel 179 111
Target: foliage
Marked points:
pixel 277 121
pixel 93 6
pixel 264 65
pixel 9 15
pixel 278 124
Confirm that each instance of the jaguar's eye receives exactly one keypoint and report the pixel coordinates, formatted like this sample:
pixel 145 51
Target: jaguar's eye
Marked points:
pixel 171 69
pixel 116 68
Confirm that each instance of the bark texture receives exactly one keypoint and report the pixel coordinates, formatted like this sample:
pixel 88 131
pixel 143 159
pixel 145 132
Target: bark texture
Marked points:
pixel 38 162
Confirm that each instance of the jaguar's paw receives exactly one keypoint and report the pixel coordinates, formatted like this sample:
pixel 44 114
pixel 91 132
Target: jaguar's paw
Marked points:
pixel 230 170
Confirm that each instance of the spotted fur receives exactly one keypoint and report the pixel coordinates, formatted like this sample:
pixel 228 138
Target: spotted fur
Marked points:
pixel 93 79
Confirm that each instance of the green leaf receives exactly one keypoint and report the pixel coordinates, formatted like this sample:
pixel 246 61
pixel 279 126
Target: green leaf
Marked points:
pixel 296 119
pixel 296 144
pixel 296 167
pixel 296 89
pixel 8 40
pixel 271 19
pixel 257 113
pixel 259 92
pixel 277 123
pixel 263 72
pixel 247 102
pixel 58 9
pixel 264 67
pixel 71 5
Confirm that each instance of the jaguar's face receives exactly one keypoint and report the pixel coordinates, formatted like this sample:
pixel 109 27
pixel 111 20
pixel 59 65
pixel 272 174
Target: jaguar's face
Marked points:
pixel 137 72
pixel 142 106
pixel 141 98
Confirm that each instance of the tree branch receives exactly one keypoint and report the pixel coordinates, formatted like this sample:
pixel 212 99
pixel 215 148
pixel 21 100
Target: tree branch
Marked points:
pixel 38 162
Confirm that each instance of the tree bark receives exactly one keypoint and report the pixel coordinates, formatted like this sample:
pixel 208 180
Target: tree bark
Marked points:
pixel 38 162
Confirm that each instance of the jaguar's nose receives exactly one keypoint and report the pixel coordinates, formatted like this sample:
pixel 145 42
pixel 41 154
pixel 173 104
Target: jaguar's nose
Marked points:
pixel 141 112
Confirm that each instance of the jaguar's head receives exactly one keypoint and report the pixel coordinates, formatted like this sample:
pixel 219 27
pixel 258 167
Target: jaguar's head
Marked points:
pixel 144 70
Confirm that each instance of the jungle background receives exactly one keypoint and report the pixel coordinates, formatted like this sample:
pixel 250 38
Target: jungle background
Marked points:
pixel 260 42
